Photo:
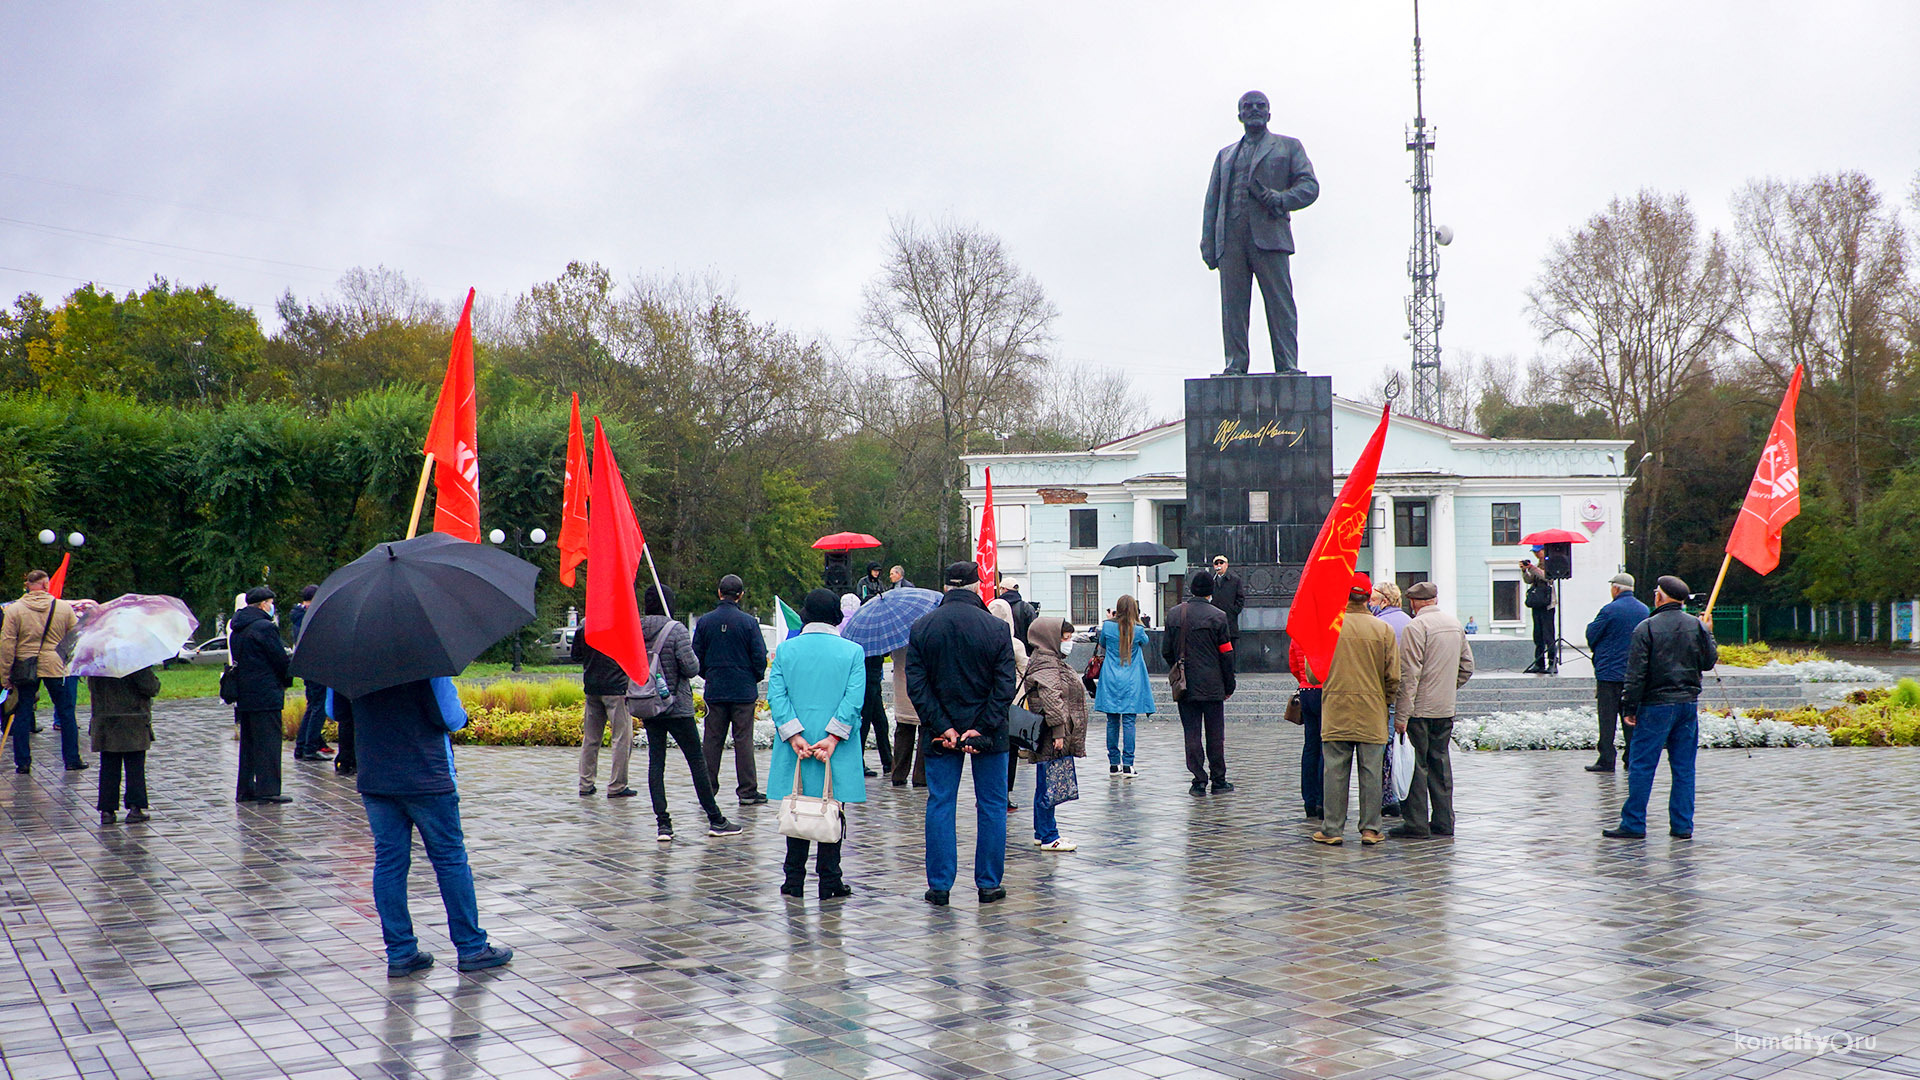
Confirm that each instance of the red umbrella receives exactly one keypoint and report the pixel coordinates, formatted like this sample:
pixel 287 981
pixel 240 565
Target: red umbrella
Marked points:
pixel 1553 536
pixel 845 541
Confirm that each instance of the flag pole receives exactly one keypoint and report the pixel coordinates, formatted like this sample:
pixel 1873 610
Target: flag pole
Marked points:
pixel 647 550
pixel 1715 594
pixel 420 495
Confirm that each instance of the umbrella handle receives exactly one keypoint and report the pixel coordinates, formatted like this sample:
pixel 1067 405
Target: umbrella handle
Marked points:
pixel 420 495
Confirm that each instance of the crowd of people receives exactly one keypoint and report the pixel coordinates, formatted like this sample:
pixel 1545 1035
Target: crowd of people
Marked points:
pixel 969 668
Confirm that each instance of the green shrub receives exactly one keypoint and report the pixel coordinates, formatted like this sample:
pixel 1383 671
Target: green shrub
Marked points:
pixel 1906 695
pixel 1760 654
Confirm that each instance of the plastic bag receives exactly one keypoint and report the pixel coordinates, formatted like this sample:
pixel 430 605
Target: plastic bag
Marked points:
pixel 1403 765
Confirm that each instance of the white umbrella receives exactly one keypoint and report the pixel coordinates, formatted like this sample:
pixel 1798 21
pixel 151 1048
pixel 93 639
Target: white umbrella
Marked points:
pixel 135 631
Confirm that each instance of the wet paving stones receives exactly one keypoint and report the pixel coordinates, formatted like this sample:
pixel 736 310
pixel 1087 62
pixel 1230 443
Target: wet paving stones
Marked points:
pixel 1186 938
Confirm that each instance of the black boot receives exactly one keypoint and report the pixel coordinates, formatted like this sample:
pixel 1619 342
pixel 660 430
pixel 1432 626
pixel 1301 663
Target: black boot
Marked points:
pixel 795 867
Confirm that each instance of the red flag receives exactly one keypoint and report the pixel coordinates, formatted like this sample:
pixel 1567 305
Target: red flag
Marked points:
pixel 613 548
pixel 1773 499
pixel 985 550
pixel 1320 603
pixel 57 584
pixel 453 440
pixel 573 502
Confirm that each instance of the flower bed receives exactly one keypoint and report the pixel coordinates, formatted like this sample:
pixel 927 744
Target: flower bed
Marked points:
pixel 1576 729
pixel 555 727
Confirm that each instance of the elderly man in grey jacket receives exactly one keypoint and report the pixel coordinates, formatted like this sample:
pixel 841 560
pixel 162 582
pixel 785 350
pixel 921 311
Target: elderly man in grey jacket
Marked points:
pixel 1435 661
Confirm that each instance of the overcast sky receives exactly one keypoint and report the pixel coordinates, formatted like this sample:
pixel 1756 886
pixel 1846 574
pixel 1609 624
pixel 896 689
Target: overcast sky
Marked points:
pixel 264 147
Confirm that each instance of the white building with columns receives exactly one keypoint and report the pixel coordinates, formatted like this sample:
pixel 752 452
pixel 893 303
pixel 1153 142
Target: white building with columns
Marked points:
pixel 1450 506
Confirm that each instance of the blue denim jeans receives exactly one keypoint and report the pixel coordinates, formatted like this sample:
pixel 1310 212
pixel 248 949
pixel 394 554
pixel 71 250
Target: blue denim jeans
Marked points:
pixel 990 819
pixel 1312 768
pixel 61 693
pixel 393 819
pixel 1117 723
pixel 1046 827
pixel 1675 729
pixel 310 738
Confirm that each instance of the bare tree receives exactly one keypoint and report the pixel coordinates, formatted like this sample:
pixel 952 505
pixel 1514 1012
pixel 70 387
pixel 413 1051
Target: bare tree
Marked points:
pixel 951 311
pixel 1823 283
pixel 1641 303
pixel 1465 379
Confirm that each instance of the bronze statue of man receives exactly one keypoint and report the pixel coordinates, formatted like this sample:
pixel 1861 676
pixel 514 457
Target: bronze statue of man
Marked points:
pixel 1257 184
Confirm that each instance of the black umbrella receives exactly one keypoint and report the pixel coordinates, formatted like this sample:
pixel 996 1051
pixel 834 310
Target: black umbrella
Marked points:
pixel 1140 553
pixel 411 610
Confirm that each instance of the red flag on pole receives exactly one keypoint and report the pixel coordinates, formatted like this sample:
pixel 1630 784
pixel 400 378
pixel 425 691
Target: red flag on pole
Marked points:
pixel 57 584
pixel 453 440
pixel 613 548
pixel 986 549
pixel 573 502
pixel 1320 603
pixel 1773 499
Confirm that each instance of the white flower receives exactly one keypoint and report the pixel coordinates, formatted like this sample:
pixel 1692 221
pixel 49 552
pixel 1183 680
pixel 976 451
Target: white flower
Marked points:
pixel 1578 729
pixel 1828 671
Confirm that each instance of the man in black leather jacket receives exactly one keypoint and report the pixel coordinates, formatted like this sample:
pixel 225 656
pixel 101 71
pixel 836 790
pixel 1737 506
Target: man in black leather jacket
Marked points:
pixel 1660 701
pixel 1202 630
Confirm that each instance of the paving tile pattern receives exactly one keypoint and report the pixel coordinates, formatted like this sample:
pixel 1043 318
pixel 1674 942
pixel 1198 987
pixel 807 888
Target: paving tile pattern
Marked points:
pixel 1186 938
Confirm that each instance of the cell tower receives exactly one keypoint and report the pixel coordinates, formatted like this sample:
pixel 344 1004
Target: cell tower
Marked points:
pixel 1425 309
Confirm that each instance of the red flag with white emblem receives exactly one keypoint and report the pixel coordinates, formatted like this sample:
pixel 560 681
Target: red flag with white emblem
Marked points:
pixel 986 553
pixel 1773 499
pixel 453 440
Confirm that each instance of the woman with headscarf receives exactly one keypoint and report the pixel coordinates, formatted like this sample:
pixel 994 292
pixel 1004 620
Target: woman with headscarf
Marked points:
pixel 678 666
pixel 815 686
pixel 1003 611
pixel 1124 692
pixel 1053 690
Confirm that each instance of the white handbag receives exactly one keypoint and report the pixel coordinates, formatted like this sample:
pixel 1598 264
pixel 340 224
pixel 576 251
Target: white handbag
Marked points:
pixel 1403 765
pixel 808 817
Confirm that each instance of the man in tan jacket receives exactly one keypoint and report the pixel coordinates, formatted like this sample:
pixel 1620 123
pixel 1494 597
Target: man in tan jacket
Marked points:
pixel 1435 662
pixel 32 630
pixel 1364 677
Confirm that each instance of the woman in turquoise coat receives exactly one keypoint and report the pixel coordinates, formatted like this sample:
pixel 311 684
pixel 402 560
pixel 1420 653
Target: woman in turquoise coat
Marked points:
pixel 1124 693
pixel 815 687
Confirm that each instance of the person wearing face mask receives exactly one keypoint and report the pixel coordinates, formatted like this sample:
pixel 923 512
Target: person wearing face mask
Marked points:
pixel 261 677
pixel 1054 691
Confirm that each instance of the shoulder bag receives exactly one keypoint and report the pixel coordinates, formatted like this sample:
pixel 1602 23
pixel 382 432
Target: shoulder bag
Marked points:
pixel 26 669
pixel 1177 673
pixel 809 817
pixel 1295 715
pixel 1091 677
pixel 652 699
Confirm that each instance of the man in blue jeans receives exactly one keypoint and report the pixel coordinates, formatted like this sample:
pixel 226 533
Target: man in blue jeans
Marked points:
pixel 406 779
pixel 960 678
pixel 1660 701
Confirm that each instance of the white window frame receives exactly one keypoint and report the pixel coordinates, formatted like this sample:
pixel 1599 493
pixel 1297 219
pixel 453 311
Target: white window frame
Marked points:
pixel 1509 572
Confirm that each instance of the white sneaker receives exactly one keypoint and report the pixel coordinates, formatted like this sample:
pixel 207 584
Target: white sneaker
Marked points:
pixel 1127 773
pixel 1062 844
pixel 665 837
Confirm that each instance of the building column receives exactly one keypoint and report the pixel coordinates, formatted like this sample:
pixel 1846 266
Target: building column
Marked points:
pixel 1383 541
pixel 1144 529
pixel 1446 566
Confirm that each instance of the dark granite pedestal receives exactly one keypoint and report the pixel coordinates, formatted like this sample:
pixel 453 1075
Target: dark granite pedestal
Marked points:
pixel 1259 485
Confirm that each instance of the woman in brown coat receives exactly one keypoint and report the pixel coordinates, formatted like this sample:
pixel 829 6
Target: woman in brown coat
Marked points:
pixel 1053 690
pixel 122 730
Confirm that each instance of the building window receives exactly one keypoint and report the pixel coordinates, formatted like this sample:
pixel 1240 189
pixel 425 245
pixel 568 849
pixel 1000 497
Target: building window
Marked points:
pixel 1506 601
pixel 1083 528
pixel 1171 591
pixel 1410 523
pixel 1407 579
pixel 1173 525
pixel 1083 600
pixel 1506 523
pixel 1256 507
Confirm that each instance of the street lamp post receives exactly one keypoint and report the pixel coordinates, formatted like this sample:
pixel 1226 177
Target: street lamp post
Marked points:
pixel 523 542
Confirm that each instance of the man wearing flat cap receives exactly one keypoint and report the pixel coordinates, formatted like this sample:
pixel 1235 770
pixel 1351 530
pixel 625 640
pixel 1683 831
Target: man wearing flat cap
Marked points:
pixel 1608 636
pixel 260 674
pixel 1660 700
pixel 1435 662
pixel 1363 678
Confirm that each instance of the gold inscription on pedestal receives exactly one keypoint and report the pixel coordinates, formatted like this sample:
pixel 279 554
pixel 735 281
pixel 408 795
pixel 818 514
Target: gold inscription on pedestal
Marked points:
pixel 1232 432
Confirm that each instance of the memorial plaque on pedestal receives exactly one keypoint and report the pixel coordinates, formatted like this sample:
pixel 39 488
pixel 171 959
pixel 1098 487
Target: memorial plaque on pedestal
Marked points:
pixel 1259 485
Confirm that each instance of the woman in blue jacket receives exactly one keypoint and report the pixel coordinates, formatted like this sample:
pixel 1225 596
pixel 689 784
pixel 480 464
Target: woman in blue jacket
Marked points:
pixel 815 688
pixel 1124 692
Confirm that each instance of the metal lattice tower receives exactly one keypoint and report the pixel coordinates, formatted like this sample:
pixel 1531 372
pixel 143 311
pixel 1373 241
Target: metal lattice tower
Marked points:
pixel 1425 309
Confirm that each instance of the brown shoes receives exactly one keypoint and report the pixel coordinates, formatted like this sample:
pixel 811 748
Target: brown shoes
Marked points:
pixel 1371 837
pixel 1323 838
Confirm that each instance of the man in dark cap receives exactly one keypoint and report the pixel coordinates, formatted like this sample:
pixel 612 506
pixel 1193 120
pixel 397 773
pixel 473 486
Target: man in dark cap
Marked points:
pixel 310 743
pixel 1197 632
pixel 960 678
pixel 871 583
pixel 1435 661
pixel 1660 701
pixel 261 678
pixel 1609 635
pixel 733 657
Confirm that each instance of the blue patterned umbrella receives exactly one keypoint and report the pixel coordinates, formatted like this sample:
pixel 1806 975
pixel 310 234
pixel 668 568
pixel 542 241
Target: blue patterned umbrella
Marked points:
pixel 882 623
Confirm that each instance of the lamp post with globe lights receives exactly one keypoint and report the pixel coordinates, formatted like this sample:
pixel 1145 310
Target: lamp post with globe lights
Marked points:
pixel 523 542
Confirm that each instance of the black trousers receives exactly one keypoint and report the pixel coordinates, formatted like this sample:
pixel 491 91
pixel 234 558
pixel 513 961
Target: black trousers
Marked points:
pixel 681 730
pixel 1607 697
pixel 826 864
pixel 260 752
pixel 873 716
pixel 346 760
pixel 134 762
pixel 1546 651
pixel 1428 807
pixel 1240 265
pixel 908 758
pixel 735 717
pixel 1205 720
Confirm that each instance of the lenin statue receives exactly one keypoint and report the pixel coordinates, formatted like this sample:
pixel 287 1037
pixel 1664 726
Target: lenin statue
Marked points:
pixel 1257 184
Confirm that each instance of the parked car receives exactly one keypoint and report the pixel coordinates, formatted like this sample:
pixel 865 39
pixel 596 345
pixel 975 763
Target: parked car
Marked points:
pixel 211 651
pixel 558 644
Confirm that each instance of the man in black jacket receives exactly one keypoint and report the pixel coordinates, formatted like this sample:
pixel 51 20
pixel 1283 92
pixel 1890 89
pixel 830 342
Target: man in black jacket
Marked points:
pixel 261 677
pixel 1228 595
pixel 1660 701
pixel 960 678
pixel 1197 632
pixel 605 682
pixel 733 657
